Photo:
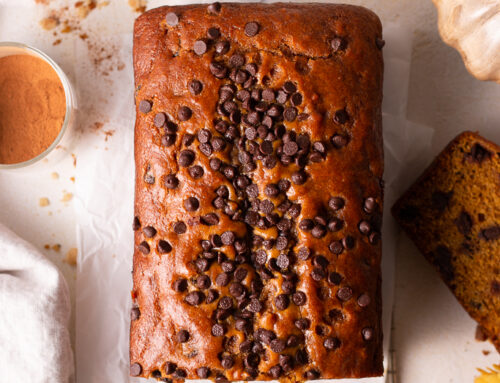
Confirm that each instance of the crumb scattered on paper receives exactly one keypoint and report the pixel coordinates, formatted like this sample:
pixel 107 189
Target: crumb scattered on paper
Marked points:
pixel 43 202
pixel 64 19
pixel 71 256
pixel 56 247
pixel 138 5
pixel 67 197
pixel 74 159
pixel 54 175
pixel 107 134
pixel 486 352
pixel 49 23
pixel 72 179
pixel 490 375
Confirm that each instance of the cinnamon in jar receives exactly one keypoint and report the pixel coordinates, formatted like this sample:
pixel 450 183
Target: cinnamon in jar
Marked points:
pixel 32 107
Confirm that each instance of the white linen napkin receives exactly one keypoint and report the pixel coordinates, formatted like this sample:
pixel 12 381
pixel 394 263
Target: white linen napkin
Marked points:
pixel 34 314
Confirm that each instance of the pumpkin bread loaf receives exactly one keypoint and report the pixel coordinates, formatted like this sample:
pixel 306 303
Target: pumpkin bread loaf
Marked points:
pixel 452 213
pixel 259 164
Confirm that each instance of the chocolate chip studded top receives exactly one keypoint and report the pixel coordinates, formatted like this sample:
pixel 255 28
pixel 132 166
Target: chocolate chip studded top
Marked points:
pixel 452 213
pixel 252 272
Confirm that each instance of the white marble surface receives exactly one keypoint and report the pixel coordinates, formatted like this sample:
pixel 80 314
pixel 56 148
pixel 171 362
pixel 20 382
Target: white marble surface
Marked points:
pixel 433 336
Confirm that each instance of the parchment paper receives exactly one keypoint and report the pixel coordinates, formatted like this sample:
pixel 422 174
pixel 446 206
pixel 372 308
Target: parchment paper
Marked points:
pixel 104 205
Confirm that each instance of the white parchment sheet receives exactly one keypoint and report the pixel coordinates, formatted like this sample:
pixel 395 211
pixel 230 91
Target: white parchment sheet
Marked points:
pixel 104 206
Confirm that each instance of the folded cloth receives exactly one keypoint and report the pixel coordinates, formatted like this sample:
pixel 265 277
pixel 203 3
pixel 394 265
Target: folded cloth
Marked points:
pixel 34 313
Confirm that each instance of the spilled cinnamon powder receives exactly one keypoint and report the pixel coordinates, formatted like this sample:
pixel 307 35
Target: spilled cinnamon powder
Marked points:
pixel 32 107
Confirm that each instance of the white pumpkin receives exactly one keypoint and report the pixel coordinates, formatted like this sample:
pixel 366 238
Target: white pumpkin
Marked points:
pixel 473 28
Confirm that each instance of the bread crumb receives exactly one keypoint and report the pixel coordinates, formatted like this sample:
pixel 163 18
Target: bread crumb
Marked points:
pixel 43 202
pixel 49 23
pixel 56 247
pixel 74 159
pixel 72 179
pixel 55 176
pixel 67 197
pixel 46 246
pixel 57 42
pixel 71 256
pixel 138 5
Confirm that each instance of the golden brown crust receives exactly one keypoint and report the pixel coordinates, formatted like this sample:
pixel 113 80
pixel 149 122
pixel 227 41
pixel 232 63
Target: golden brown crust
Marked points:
pixel 339 88
pixel 452 213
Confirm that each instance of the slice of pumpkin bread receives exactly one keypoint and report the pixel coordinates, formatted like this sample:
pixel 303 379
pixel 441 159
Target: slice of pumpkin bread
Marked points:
pixel 452 213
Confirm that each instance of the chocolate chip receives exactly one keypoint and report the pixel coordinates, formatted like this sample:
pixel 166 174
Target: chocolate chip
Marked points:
pixel 172 19
pixel 379 43
pixel 180 285
pixel 299 298
pixel 284 185
pixel 275 372
pixel 281 244
pixel 374 238
pixel 304 253
pixel 136 224
pixel 218 330
pixel 210 219
pixel 290 114
pixel 145 106
pixel 290 148
pixel 338 44
pixel 149 231
pixel 255 306
pixel 318 274
pixel 490 234
pixel 464 223
pixel 186 158
pixel 168 139
pixel 331 343
pixel 299 177
pixel 214 7
pixel 164 247
pixel 213 33
pixel 184 113
pixel 369 205
pixel 364 227
pixel 222 279
pixel 312 374
pixel 179 227
pixel 318 231
pixel 252 360
pixel 215 164
pixel 191 204
pixel 135 369
pixel 212 296
pixel 443 260
pixel 203 372
pixel 278 345
pixel 194 298
pixel 251 29
pixel 348 242
pixel 135 313
pixel 221 379
pixel 236 289
pixel 228 238
pixel 281 302
pixel 237 60
pixel 306 224
pixel 336 203
pixel 344 293
pixel 217 69
pixel 182 336
pixel 202 265
pixel 364 300
pixel 367 333
pixel 218 144
pixel 144 248
pixel 187 139
pixel 227 362
pixel 180 373
pixel 203 282
pixel 302 323
pixel 160 119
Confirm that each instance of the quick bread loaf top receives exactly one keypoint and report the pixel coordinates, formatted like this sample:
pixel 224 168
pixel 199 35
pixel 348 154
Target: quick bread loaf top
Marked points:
pixel 259 192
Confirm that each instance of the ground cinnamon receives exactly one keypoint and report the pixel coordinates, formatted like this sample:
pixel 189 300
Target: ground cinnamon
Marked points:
pixel 32 107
